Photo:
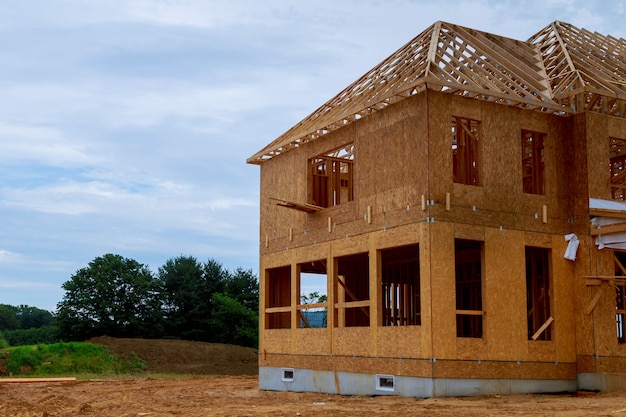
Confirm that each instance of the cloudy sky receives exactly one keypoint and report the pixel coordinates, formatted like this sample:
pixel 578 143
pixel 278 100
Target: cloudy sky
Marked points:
pixel 125 124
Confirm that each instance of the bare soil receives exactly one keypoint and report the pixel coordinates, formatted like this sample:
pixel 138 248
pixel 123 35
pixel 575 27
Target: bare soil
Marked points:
pixel 238 395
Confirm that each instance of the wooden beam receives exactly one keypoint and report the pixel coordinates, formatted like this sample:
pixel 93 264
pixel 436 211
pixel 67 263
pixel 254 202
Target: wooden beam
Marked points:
pixel 609 228
pixel 594 300
pixel 470 312
pixel 352 304
pixel 25 380
pixel 307 208
pixel 543 328
pixel 618 214
pixel 353 297
pixel 310 306
pixel 304 320
pixel 284 309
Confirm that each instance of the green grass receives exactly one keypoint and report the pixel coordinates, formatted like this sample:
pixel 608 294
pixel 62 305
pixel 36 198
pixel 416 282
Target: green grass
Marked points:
pixel 69 359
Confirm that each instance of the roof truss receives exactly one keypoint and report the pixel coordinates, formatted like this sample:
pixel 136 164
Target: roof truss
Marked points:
pixel 560 70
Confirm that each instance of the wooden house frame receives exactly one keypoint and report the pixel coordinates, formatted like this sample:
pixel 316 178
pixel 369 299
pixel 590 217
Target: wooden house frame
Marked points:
pixel 461 207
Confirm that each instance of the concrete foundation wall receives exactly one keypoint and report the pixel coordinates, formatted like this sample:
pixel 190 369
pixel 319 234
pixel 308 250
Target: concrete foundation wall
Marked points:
pixel 348 383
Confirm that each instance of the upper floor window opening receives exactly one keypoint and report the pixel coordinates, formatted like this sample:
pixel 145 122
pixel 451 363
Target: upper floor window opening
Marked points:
pixel 331 177
pixel 465 153
pixel 533 162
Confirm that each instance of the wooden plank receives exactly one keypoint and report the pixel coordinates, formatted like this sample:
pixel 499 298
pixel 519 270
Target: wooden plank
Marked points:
pixel 307 208
pixel 310 306
pixel 594 300
pixel 609 228
pixel 31 380
pixel 618 214
pixel 543 328
pixel 278 309
pixel 470 312
pixel 355 304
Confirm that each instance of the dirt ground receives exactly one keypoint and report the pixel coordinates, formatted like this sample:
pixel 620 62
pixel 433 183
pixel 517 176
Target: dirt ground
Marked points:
pixel 238 395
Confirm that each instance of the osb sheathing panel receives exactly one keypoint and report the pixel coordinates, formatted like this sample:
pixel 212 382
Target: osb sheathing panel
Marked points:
pixel 439 145
pixel 276 341
pixel 351 341
pixel 616 127
pixel 611 364
pixel 542 351
pixel 585 265
pixel 396 342
pixel 504 295
pixel 513 370
pixel 578 179
pixel 471 348
pixel 312 342
pixel 389 147
pixel 397 236
pixel 442 286
pixel 585 363
pixel 563 306
pixel 500 200
pixel 598 156
pixel 282 178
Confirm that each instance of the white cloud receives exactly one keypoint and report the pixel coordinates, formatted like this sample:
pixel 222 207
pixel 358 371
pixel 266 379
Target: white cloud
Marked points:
pixel 45 144
pixel 9 257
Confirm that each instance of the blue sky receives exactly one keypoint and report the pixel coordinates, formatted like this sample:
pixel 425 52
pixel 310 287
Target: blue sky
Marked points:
pixel 125 124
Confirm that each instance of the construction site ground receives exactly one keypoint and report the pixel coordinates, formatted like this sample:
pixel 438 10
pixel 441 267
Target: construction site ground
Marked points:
pixel 223 382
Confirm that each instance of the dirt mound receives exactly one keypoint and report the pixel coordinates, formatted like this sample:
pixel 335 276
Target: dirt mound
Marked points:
pixel 185 357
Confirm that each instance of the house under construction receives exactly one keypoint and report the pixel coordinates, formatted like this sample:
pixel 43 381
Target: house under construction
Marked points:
pixel 461 212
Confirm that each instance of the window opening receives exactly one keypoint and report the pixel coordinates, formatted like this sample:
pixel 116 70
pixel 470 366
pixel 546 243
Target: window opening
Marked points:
pixel 351 288
pixel 278 298
pixel 468 270
pixel 538 292
pixel 620 294
pixel 312 282
pixel 401 286
pixel 465 154
pixel 617 165
pixel 331 177
pixel 533 162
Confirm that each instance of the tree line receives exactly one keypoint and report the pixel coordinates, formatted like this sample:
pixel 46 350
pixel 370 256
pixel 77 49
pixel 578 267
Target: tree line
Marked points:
pixel 186 299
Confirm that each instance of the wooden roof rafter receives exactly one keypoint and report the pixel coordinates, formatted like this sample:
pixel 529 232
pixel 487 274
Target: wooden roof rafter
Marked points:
pixel 586 71
pixel 560 70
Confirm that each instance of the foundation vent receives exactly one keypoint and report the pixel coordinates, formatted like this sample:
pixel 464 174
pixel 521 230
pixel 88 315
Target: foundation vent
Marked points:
pixel 287 374
pixel 385 383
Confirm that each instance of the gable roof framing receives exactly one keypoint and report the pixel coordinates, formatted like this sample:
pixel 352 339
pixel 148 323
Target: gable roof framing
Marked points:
pixel 560 70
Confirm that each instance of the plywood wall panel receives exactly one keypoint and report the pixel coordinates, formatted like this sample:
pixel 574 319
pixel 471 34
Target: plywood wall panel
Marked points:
pixel 563 306
pixel 351 341
pixel 403 341
pixel 442 286
pixel 500 147
pixel 312 342
pixel 597 139
pixel 505 294
pixel 277 340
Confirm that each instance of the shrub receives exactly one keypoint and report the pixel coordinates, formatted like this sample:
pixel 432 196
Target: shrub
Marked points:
pixel 69 358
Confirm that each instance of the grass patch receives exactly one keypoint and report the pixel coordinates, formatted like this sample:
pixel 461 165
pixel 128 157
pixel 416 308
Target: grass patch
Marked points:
pixel 69 359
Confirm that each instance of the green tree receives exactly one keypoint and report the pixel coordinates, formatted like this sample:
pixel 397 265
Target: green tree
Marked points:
pixel 195 306
pixel 113 296
pixel 243 286
pixel 8 320
pixel 233 323
pixel 182 279
pixel 33 317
